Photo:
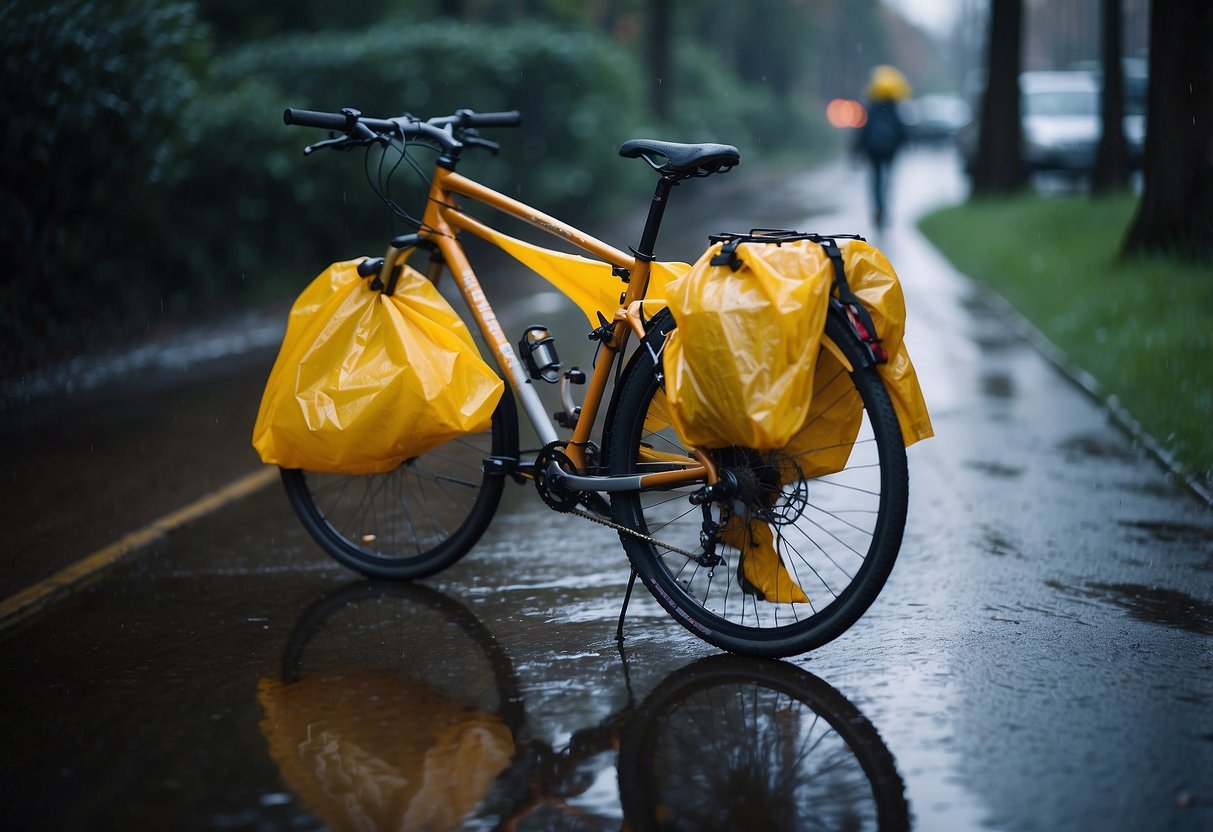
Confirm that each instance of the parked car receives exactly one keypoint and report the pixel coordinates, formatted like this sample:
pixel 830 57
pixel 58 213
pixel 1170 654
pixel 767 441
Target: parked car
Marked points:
pixel 1061 124
pixel 936 117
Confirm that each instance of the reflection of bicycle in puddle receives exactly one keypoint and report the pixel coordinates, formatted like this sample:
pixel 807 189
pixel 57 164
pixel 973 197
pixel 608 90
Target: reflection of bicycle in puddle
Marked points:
pixel 397 709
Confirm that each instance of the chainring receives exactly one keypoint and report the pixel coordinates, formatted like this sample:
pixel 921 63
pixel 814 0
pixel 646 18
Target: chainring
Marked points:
pixel 550 490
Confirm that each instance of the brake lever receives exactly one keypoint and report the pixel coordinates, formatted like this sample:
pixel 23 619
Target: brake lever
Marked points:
pixel 476 141
pixel 343 143
pixel 333 142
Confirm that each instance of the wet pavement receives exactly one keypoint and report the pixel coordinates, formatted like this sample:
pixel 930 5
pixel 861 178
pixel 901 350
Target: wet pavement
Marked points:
pixel 1041 658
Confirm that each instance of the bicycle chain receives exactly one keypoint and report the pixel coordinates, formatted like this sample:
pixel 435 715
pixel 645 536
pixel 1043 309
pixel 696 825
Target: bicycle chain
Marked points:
pixel 553 451
pixel 633 532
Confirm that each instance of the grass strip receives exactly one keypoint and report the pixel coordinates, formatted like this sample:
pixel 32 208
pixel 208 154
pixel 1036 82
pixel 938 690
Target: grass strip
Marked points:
pixel 1141 326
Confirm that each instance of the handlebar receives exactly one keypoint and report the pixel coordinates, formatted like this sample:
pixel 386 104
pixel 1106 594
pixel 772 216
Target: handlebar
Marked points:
pixel 359 128
pixel 508 118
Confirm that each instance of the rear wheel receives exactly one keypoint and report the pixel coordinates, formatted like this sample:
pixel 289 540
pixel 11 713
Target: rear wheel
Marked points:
pixel 833 513
pixel 414 520
pixel 736 743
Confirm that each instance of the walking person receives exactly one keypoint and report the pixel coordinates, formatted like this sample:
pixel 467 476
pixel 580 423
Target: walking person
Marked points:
pixel 883 134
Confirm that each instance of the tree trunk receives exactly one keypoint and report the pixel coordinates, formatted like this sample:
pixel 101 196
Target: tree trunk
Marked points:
pixel 659 57
pixel 1111 171
pixel 1175 214
pixel 999 165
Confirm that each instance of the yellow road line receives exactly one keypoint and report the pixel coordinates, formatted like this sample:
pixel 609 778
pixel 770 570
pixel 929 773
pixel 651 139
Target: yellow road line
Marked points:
pixel 27 602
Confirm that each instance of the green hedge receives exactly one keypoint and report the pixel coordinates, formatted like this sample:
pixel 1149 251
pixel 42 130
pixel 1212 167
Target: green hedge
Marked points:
pixel 95 94
pixel 579 93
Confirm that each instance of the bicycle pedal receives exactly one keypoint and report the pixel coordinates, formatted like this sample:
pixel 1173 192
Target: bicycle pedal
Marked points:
pixel 567 420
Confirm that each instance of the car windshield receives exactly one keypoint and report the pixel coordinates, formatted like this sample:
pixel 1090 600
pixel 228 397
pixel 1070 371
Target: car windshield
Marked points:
pixel 1061 103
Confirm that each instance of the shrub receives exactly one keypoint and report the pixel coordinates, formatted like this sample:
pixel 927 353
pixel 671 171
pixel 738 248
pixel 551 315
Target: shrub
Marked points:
pixel 95 97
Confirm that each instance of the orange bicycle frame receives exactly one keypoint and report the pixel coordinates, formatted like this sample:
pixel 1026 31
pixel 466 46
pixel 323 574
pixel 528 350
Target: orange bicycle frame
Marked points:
pixel 443 219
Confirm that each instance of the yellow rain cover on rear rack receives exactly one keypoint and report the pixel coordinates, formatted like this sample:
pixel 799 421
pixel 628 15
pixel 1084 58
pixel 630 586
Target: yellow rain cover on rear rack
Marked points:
pixel 739 367
pixel 366 380
pixel 742 366
pixel 746 367
pixel 872 277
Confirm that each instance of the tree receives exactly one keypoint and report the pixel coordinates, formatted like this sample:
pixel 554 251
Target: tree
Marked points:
pixel 1175 214
pixel 999 166
pixel 660 29
pixel 1111 171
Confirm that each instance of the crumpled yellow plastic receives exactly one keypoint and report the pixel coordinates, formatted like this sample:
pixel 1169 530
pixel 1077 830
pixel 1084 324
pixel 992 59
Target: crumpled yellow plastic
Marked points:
pixel 871 276
pixel 371 750
pixel 364 381
pixel 760 562
pixel 590 284
pixel 744 367
pixel 739 367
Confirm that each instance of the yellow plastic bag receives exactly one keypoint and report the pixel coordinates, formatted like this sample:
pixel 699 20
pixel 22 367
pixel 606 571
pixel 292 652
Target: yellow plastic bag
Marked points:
pixel 370 750
pixel 591 284
pixel 364 381
pixel 739 367
pixel 744 367
pixel 761 565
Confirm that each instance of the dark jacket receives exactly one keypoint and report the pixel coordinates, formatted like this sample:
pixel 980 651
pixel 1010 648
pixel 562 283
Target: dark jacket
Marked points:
pixel 883 133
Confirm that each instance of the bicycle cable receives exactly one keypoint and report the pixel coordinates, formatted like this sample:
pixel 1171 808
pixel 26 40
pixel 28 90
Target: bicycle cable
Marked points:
pixel 381 183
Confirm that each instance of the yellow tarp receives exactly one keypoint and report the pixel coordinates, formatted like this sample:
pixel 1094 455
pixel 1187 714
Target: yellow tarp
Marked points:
pixel 364 381
pixel 588 283
pixel 760 561
pixel 371 750
pixel 739 367
pixel 742 367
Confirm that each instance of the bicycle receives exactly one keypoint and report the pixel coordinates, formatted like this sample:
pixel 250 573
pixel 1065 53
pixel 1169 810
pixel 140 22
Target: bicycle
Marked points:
pixel 839 534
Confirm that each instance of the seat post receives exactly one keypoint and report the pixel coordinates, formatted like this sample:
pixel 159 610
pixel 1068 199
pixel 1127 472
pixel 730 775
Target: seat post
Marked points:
pixel 648 238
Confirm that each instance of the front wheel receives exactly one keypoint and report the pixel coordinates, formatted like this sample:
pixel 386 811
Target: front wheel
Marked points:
pixel 417 519
pixel 832 513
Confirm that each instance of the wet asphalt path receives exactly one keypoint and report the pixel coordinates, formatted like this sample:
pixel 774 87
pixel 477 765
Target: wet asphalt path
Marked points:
pixel 1041 659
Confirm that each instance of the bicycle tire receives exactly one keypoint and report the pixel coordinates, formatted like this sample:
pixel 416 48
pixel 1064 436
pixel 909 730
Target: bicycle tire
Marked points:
pixel 404 628
pixel 417 519
pixel 381 680
pixel 840 546
pixel 731 742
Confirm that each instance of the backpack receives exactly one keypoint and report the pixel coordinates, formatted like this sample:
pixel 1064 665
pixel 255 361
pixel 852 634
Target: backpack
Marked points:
pixel 883 133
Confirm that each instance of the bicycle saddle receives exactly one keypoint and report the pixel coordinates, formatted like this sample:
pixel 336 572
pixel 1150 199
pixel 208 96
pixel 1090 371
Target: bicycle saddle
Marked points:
pixel 682 160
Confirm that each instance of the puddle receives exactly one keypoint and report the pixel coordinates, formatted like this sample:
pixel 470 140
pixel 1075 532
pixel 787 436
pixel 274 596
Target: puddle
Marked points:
pixel 995 542
pixel 1167 532
pixel 1155 605
pixel 996 469
pixel 998 385
pixel 1092 447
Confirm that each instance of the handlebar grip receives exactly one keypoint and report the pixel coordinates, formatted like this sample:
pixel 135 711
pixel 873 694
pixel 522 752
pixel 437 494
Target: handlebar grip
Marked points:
pixel 310 118
pixel 511 118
